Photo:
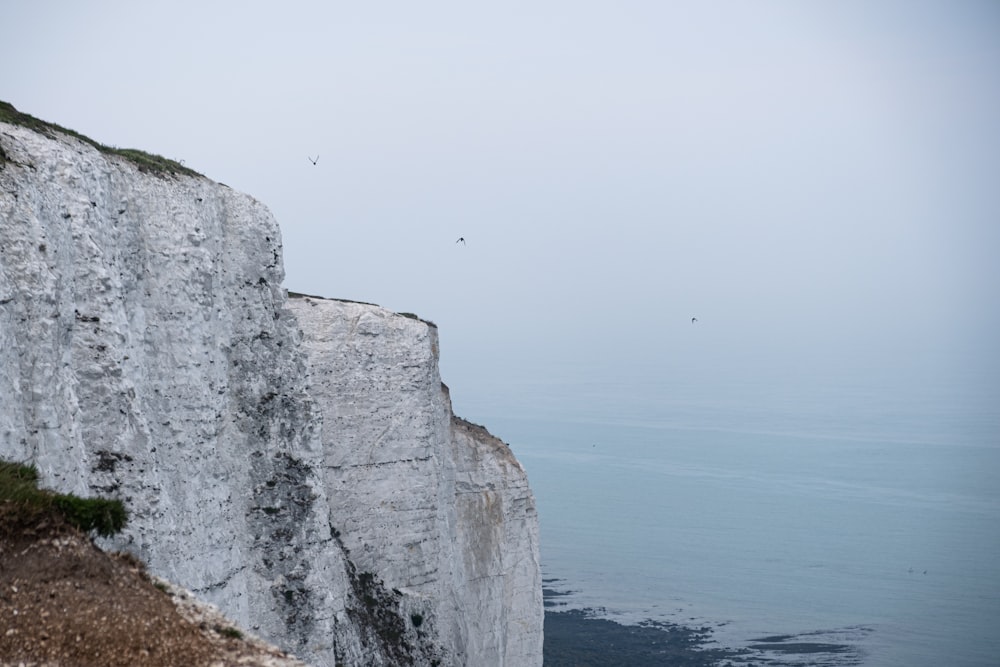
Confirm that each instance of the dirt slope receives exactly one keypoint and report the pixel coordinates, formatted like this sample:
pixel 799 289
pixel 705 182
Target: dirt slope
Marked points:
pixel 64 602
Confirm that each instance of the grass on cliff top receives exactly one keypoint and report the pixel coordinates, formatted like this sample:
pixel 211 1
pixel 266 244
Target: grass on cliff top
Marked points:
pixel 301 295
pixel 23 504
pixel 146 162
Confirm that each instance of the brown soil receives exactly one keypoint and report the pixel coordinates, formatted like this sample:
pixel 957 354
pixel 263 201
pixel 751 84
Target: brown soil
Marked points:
pixel 66 603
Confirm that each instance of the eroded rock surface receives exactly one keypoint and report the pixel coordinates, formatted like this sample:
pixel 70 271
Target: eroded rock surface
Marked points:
pixel 435 506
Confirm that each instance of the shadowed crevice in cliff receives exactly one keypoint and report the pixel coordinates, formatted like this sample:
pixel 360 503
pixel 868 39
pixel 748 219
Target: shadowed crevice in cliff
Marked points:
pixel 275 418
pixel 391 637
pixel 283 501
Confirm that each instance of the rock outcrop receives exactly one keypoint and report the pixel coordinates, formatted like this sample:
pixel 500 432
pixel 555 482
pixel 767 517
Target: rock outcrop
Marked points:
pixel 293 461
pixel 430 502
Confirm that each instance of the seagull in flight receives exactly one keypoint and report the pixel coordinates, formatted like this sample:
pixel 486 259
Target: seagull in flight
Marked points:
pixel 461 239
pixel 312 160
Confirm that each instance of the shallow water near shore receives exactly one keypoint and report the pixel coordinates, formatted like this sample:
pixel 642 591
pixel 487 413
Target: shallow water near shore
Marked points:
pixel 829 527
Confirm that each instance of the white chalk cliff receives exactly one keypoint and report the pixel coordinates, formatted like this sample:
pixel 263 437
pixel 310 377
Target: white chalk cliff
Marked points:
pixel 294 461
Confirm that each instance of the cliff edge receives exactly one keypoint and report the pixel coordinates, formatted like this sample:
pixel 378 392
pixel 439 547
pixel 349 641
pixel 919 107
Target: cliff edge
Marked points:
pixel 293 461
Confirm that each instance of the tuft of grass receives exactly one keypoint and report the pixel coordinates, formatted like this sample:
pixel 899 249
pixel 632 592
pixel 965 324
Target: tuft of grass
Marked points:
pixel 146 162
pixel 19 473
pixel 230 632
pixel 23 503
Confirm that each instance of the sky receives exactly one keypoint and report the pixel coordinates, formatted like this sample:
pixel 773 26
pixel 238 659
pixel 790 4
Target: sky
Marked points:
pixel 818 183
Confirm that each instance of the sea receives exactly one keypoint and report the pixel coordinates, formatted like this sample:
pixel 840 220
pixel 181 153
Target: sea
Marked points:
pixel 838 523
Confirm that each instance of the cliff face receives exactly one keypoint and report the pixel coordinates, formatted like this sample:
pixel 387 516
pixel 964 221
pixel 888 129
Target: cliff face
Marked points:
pixel 293 461
pixel 433 504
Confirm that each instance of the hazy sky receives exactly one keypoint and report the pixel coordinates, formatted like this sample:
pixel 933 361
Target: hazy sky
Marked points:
pixel 817 182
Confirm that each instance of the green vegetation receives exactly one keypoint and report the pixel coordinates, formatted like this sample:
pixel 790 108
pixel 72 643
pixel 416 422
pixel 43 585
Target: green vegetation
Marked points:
pixel 22 504
pixel 146 162
pixel 232 633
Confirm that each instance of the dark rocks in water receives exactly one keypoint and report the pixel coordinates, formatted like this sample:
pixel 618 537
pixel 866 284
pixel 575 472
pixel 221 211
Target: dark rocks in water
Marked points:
pixel 582 638
pixel 577 638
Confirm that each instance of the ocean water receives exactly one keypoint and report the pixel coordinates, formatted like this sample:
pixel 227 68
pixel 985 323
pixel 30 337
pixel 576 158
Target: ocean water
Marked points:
pixel 860 516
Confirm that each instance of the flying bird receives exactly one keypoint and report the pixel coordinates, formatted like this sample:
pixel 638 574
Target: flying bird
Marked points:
pixel 461 239
pixel 693 320
pixel 312 160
